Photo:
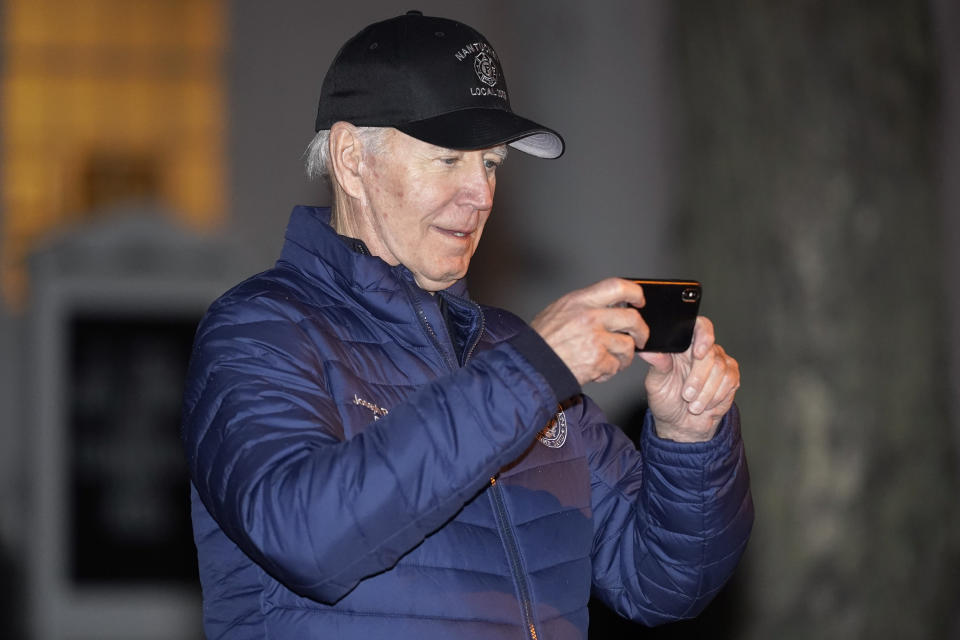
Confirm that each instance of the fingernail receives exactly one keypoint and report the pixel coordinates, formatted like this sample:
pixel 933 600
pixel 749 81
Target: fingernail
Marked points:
pixel 696 407
pixel 689 393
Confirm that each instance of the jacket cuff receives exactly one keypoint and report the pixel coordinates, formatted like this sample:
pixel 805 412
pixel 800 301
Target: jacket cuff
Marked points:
pixel 692 455
pixel 532 347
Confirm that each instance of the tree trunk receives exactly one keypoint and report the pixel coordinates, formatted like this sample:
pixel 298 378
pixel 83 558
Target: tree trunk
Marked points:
pixel 806 205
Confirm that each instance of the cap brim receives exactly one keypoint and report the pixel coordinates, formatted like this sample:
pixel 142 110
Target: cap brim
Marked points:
pixel 482 128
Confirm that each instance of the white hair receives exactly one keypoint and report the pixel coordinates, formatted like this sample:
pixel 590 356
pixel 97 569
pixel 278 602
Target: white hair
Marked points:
pixel 318 151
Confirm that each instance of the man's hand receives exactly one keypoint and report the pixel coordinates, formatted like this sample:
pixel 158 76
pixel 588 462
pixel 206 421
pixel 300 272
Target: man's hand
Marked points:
pixel 595 339
pixel 690 392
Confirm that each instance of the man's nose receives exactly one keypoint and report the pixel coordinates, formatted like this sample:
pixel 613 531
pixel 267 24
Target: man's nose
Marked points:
pixel 478 186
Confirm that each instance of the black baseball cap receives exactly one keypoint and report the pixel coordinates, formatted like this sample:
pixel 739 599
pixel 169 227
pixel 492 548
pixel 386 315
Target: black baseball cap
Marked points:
pixel 434 79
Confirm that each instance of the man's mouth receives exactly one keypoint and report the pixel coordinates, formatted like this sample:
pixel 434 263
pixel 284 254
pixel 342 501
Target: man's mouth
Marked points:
pixel 456 233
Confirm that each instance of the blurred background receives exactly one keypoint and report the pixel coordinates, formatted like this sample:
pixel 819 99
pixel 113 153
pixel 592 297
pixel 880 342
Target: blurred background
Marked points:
pixel 801 159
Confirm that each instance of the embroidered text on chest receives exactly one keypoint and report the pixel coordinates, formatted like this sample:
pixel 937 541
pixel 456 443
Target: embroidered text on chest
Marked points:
pixel 378 412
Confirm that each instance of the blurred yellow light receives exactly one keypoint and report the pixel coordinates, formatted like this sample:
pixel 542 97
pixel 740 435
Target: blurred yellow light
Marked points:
pixel 103 81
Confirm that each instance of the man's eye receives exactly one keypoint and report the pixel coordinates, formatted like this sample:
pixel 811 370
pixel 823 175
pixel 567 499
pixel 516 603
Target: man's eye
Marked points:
pixel 450 161
pixel 491 164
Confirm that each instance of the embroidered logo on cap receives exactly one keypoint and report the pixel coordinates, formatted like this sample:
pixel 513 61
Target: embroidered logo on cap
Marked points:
pixel 486 69
pixel 485 66
pixel 555 433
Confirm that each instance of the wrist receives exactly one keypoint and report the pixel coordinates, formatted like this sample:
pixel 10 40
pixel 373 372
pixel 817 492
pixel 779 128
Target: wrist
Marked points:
pixel 676 433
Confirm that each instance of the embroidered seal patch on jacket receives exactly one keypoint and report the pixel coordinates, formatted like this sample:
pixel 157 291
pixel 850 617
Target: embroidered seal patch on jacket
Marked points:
pixel 555 433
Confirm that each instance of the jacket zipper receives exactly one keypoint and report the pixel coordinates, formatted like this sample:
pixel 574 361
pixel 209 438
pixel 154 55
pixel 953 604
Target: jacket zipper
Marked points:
pixel 499 507
pixel 422 315
pixel 433 334
pixel 513 556
pixel 476 341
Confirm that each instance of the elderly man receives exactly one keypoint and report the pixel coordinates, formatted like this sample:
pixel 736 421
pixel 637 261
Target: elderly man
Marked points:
pixel 375 455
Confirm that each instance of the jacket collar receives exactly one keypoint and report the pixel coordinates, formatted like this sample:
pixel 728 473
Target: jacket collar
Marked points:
pixel 311 244
pixel 315 249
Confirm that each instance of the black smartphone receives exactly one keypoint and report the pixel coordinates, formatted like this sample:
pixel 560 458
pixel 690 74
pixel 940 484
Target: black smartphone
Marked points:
pixel 670 312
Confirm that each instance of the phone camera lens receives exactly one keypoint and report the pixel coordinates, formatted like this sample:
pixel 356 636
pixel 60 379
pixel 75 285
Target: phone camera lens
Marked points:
pixel 690 295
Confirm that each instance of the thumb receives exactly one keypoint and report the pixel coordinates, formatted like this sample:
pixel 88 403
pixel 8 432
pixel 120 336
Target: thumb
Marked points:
pixel 662 363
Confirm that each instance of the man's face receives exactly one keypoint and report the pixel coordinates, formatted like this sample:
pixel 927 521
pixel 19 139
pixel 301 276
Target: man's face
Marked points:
pixel 425 207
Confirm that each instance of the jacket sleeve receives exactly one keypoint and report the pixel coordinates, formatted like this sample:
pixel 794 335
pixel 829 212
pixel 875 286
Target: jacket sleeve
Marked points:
pixel 670 524
pixel 267 457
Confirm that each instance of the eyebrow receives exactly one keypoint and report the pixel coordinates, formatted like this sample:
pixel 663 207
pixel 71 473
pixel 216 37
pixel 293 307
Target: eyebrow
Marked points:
pixel 500 150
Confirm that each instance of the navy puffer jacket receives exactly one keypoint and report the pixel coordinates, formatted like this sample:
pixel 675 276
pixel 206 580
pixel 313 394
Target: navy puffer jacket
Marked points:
pixel 365 466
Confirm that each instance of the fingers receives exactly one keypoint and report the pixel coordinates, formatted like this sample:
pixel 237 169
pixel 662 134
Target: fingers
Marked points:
pixel 612 291
pixel 662 363
pixel 712 374
pixel 628 321
pixel 711 381
pixel 594 338
pixel 611 354
pixel 703 337
pixel 614 353
pixel 690 392
pixel 621 346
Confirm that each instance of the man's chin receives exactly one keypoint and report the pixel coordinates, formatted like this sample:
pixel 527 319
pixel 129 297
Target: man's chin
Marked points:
pixel 439 281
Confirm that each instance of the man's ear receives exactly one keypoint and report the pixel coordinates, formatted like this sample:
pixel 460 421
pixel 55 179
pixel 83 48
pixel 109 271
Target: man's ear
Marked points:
pixel 345 156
